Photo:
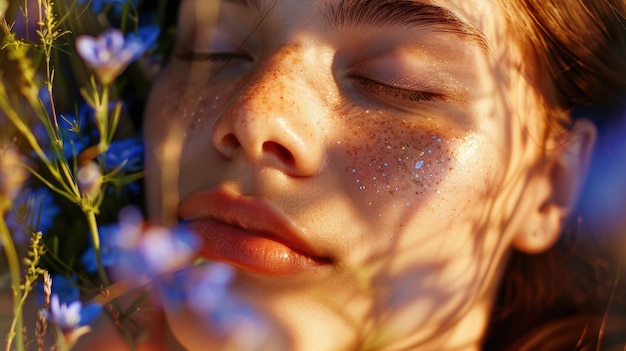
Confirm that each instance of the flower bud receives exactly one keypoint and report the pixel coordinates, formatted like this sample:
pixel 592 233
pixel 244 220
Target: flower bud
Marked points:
pixel 89 180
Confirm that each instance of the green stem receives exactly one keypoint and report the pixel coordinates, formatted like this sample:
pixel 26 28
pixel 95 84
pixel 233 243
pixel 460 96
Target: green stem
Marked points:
pixel 102 119
pixel 14 269
pixel 95 237
pixel 93 226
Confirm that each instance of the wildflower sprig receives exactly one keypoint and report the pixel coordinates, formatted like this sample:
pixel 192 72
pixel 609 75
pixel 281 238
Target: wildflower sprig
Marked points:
pixel 32 273
pixel 49 33
pixel 79 162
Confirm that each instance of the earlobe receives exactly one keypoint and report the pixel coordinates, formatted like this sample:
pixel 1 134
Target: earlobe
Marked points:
pixel 557 189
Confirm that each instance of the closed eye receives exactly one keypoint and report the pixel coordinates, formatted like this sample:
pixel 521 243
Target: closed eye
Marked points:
pixel 390 92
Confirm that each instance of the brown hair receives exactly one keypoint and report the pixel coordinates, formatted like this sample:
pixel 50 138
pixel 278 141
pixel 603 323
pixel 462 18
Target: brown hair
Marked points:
pixel 575 55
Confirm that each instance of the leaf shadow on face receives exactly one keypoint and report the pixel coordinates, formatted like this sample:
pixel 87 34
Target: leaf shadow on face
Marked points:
pixel 411 305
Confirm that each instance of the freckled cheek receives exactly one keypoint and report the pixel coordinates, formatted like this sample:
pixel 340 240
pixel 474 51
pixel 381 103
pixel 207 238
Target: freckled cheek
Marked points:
pixel 396 164
pixel 172 103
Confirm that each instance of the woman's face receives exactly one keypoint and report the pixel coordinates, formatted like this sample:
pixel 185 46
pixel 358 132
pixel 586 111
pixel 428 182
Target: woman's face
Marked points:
pixel 360 163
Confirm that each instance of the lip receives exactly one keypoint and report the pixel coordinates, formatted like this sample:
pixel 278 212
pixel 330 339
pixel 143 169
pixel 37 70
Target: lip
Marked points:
pixel 249 233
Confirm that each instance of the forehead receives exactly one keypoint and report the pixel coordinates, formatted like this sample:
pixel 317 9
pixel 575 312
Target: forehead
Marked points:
pixel 470 20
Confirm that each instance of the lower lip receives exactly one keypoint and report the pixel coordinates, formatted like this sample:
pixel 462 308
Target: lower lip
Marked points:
pixel 250 250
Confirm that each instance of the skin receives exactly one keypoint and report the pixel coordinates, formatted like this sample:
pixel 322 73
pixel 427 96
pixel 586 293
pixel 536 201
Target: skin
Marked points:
pixel 415 200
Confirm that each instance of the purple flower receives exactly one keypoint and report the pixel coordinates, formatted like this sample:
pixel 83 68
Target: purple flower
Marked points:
pixel 209 286
pixel 134 249
pixel 204 289
pixel 110 53
pixel 72 316
pixel 165 250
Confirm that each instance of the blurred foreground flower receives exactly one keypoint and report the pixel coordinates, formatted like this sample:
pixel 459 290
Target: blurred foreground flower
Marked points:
pixel 134 249
pixel 110 53
pixel 12 175
pixel 72 319
pixel 204 291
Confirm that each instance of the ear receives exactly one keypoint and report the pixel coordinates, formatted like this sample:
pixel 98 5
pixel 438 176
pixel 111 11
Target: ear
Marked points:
pixel 557 187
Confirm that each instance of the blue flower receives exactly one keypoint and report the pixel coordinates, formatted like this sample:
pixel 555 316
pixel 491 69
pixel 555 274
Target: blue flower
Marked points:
pixel 110 53
pixel 204 289
pixel 77 132
pixel 110 252
pixel 147 35
pixel 72 316
pixel 33 210
pixel 165 250
pixel 208 287
pixel 65 288
pixel 127 153
pixel 133 249
pixel 97 5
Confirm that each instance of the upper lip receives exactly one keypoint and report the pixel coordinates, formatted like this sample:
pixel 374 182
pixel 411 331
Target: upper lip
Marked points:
pixel 253 214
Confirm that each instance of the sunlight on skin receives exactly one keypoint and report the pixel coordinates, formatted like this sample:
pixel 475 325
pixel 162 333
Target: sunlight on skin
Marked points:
pixel 411 200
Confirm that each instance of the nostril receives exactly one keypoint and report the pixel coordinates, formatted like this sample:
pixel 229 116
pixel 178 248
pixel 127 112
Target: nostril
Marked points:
pixel 279 151
pixel 231 142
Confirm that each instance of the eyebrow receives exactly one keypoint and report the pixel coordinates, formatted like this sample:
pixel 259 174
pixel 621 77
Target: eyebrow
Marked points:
pixel 249 4
pixel 380 13
pixel 405 13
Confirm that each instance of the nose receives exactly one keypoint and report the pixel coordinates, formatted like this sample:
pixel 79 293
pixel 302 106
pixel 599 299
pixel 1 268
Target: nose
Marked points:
pixel 271 121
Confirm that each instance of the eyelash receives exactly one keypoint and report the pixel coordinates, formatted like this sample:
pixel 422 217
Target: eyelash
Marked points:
pixel 367 84
pixel 375 87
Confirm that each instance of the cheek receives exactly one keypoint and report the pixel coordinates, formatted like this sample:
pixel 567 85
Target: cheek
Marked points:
pixel 394 163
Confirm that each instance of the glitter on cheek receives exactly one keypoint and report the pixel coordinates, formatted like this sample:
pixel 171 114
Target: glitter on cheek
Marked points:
pixel 393 163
